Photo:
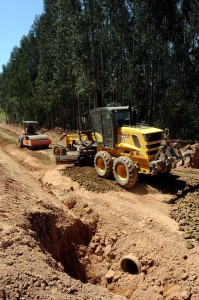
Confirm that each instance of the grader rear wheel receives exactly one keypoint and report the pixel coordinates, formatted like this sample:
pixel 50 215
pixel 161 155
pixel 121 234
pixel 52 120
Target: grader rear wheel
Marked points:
pixel 125 171
pixel 103 164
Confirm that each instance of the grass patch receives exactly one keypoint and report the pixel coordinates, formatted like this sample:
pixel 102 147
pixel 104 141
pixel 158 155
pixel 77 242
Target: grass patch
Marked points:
pixel 2 116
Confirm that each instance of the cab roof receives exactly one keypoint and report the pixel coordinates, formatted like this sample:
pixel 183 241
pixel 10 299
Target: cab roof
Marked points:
pixel 144 129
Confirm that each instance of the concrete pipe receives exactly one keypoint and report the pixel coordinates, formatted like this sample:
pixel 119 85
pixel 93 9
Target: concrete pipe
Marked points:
pixel 130 264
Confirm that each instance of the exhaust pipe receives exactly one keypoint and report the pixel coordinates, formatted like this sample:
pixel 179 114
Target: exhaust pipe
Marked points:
pixel 130 264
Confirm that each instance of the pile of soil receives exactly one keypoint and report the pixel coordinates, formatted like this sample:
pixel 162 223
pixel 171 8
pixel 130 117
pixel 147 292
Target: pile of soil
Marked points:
pixel 186 213
pixel 194 161
pixel 87 177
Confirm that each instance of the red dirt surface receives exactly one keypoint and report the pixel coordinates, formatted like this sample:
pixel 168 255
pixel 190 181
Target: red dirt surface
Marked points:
pixel 64 230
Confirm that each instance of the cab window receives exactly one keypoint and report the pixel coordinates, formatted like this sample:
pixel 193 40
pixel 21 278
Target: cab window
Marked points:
pixel 136 141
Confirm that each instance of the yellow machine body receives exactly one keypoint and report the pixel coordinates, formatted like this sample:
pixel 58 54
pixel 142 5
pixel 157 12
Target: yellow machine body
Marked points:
pixel 132 142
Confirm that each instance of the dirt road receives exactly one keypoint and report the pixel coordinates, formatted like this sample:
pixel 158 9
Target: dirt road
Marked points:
pixel 64 231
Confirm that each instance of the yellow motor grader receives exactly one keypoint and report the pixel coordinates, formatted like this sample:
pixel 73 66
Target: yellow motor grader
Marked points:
pixel 119 146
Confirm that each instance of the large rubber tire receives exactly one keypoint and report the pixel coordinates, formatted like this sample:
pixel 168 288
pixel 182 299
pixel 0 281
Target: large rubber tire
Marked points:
pixel 59 150
pixel 21 141
pixel 103 163
pixel 125 172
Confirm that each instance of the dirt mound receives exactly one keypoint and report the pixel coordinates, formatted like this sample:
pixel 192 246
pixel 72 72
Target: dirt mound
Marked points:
pixel 87 177
pixel 194 162
pixel 195 159
pixel 185 212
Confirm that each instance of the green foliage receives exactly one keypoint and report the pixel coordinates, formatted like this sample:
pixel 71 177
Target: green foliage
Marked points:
pixel 2 116
pixel 83 54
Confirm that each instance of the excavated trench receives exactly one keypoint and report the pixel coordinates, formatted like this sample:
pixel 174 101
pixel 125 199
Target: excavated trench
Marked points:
pixel 67 243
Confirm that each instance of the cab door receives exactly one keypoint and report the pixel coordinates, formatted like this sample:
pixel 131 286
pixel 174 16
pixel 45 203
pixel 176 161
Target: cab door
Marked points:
pixel 102 125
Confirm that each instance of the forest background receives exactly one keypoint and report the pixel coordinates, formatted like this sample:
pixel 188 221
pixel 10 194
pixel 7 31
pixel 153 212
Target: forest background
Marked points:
pixel 82 54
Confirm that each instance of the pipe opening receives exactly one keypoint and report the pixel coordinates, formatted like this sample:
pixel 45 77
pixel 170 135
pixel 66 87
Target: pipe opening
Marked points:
pixel 130 264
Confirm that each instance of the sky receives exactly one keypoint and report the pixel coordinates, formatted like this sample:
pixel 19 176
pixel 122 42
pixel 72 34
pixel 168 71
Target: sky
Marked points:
pixel 16 19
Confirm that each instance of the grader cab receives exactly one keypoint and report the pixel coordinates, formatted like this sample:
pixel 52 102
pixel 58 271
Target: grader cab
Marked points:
pixel 120 147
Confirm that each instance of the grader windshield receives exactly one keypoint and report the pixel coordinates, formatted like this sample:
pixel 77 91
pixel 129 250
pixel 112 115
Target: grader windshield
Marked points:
pixel 106 120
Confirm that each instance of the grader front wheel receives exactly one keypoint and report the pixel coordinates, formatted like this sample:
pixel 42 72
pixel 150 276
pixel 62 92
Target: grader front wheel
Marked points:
pixel 103 164
pixel 125 172
pixel 59 150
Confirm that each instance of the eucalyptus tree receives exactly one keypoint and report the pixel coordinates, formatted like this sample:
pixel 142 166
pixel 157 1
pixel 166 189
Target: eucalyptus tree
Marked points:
pixel 45 85
pixel 81 54
pixel 68 64
pixel 26 75
pixel 93 45
pixel 181 110
pixel 18 80
pixel 7 100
